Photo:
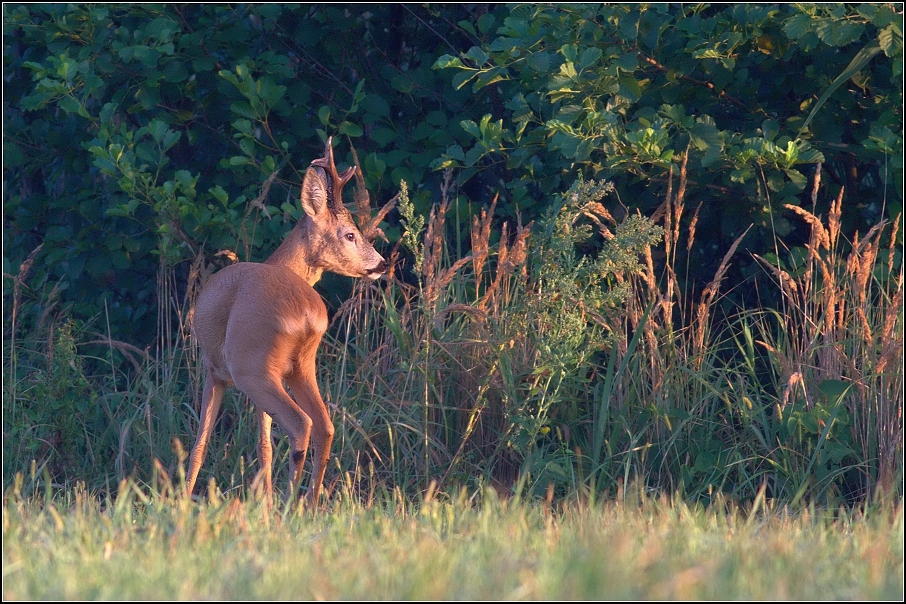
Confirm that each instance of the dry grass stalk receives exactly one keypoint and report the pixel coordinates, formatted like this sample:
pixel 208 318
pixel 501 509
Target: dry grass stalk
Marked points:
pixel 432 290
pixel 646 293
pixel 788 286
pixel 481 235
pixel 703 311
pixel 126 349
pixel 597 213
pixel 433 242
pixel 833 219
pixel 258 202
pixel 508 259
pixel 692 224
pixel 679 204
pixel 53 298
pixel 668 216
pixel 367 224
pixel 860 265
pixel 436 280
pixel 860 337
pixel 794 380
pixel 891 340
pixel 19 280
pixel 817 183
pixel 818 230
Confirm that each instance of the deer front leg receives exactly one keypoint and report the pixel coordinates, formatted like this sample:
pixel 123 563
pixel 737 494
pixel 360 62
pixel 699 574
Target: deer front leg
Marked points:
pixel 210 405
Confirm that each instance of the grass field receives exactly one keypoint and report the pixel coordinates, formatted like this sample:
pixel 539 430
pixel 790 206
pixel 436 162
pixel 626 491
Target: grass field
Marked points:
pixel 478 547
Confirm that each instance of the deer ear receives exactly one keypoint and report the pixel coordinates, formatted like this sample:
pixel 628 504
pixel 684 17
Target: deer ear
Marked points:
pixel 314 192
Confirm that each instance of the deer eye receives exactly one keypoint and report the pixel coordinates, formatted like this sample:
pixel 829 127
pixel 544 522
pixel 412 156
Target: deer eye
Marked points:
pixel 350 236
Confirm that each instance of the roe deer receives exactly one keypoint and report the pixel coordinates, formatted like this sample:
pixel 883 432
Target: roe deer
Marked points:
pixel 259 325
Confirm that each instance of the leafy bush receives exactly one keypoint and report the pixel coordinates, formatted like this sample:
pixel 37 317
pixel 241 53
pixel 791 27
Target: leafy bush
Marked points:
pixel 138 136
pixel 754 95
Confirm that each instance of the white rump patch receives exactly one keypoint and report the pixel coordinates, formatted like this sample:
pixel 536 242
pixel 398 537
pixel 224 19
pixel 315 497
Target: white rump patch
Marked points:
pixel 295 324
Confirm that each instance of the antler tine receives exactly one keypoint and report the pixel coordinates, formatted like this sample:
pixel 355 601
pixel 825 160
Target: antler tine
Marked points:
pixel 337 181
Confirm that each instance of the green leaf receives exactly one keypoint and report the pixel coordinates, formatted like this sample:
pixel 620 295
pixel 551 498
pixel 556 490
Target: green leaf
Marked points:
pixel 324 115
pixel 184 178
pixel 705 135
pixel 798 25
pixel 376 105
pixel 402 82
pixel 229 76
pixel 797 178
pixel 468 27
pixel 588 57
pixel 770 129
pixel 157 129
pixel 107 112
pixel 791 154
pixel 374 165
pixel 220 195
pixel 839 32
pixel 509 45
pixel 478 55
pixel 245 110
pixel 350 129
pixel 570 52
pixel 539 61
pixel 244 126
pixel 486 22
pixel 446 61
pixel 69 104
pixel 462 78
pixel 486 78
pixel 383 136
pixel 471 127
pixel 891 41
pixel 628 62
pixel 456 152
pixel 567 143
pixel 271 92
pixel 630 87
pixel 706 53
pixel 885 17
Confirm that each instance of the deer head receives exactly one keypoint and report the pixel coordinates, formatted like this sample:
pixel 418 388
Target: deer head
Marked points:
pixel 327 239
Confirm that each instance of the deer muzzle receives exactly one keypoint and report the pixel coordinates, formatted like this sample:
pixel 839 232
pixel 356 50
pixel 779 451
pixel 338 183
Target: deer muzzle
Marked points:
pixel 379 270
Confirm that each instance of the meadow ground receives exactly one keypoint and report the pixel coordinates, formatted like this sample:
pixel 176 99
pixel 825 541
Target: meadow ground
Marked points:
pixel 478 547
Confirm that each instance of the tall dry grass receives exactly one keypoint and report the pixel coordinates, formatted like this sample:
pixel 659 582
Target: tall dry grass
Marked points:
pixel 842 320
pixel 527 366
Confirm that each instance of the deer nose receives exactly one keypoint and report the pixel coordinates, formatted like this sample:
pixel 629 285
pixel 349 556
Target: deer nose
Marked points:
pixel 381 268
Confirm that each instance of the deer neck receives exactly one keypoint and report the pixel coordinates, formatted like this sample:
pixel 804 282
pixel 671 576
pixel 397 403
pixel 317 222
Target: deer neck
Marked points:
pixel 295 254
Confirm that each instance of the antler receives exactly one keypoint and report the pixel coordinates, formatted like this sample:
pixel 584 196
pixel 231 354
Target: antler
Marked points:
pixel 337 181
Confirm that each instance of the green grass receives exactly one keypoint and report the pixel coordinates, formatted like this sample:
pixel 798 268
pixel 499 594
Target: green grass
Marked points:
pixel 476 547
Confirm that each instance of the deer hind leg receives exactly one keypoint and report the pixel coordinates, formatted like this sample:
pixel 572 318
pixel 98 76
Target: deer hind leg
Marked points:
pixel 210 405
pixel 305 388
pixel 265 453
pixel 270 398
